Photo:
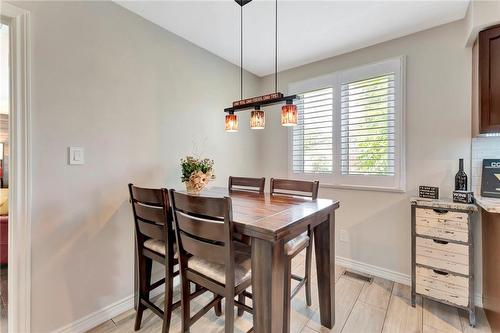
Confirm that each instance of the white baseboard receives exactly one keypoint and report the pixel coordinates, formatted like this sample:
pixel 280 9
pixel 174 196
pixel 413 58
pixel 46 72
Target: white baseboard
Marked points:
pixel 386 274
pixel 373 270
pixel 109 312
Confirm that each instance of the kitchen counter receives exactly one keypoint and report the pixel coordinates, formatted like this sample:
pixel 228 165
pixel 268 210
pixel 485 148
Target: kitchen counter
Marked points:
pixel 491 205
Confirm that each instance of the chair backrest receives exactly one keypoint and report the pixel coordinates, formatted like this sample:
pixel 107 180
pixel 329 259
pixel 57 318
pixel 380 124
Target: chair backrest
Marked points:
pixel 295 187
pixel 204 229
pixel 152 216
pixel 247 184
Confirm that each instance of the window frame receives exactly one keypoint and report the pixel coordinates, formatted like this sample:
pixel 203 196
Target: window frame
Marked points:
pixel 335 179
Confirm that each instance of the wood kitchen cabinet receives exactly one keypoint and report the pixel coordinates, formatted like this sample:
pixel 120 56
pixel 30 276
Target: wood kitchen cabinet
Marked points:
pixel 488 58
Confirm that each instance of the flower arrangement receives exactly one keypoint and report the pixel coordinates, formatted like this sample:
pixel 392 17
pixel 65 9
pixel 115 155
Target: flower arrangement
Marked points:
pixel 196 173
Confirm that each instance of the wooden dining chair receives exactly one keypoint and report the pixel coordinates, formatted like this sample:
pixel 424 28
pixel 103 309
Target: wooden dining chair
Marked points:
pixel 155 241
pixel 208 255
pixel 247 184
pixel 298 244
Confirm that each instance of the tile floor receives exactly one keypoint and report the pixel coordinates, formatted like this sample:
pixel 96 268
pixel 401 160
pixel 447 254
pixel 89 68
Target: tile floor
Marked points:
pixel 361 307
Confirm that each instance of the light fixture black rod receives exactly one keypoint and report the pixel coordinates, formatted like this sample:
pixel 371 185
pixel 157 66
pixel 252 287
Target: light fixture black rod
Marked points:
pixel 241 53
pixel 276 49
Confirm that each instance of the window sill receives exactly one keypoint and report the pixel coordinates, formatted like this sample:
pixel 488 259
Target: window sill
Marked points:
pixel 363 188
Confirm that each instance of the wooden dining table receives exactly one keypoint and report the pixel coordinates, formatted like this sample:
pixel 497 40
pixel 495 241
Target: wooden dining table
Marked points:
pixel 270 221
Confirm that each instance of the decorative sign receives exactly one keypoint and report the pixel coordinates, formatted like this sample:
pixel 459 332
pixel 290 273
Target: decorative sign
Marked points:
pixel 490 185
pixel 428 192
pixel 257 99
pixel 466 197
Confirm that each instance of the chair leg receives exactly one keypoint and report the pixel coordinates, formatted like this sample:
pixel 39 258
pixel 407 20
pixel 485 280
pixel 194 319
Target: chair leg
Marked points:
pixel 308 273
pixel 288 295
pixel 241 299
pixel 145 266
pixel 229 314
pixel 185 304
pixel 167 309
pixel 218 307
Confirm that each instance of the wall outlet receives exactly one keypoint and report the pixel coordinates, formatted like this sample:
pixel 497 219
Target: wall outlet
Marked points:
pixel 344 236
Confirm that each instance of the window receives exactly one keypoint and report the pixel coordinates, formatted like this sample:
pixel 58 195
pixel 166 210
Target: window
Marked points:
pixel 367 126
pixel 312 140
pixel 350 129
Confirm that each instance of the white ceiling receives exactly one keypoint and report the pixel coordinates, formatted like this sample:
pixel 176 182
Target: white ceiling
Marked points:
pixel 308 31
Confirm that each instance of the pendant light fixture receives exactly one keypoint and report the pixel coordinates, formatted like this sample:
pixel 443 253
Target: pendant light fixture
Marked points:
pixel 257 118
pixel 289 114
pixel 231 123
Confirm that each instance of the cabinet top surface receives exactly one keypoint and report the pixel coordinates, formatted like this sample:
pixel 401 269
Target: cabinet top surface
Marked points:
pixel 491 205
pixel 442 204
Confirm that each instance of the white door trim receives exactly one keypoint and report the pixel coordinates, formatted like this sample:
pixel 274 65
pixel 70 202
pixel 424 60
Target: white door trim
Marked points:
pixel 19 307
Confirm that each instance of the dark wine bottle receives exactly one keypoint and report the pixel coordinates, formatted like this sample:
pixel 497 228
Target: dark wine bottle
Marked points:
pixel 461 177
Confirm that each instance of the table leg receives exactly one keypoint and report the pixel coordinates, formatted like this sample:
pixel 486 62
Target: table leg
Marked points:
pixel 324 246
pixel 268 273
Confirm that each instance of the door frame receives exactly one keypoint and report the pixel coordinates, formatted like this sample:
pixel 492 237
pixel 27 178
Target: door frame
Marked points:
pixel 19 266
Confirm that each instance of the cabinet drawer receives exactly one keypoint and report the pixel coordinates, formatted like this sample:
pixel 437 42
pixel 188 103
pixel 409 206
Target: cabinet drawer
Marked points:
pixel 443 252
pixel 443 264
pixel 442 246
pixel 442 280
pixel 442 214
pixel 442 295
pixel 462 226
pixel 436 232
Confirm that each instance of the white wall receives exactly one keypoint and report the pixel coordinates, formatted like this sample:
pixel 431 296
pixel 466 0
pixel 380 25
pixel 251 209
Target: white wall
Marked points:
pixel 438 133
pixel 138 99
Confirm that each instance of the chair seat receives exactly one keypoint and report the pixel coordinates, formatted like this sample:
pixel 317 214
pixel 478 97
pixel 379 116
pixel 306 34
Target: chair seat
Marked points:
pixel 296 244
pixel 217 272
pixel 158 246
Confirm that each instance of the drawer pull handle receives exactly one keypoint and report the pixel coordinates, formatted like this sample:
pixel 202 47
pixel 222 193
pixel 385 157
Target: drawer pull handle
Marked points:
pixel 440 241
pixel 439 272
pixel 440 211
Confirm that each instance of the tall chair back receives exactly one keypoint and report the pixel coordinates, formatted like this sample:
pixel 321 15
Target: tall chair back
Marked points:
pixel 295 187
pixel 152 216
pixel 204 229
pixel 247 184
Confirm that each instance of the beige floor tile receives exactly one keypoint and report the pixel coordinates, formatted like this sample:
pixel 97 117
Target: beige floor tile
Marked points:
pixel 347 291
pixel 401 316
pixel 308 330
pixel 365 318
pixel 482 325
pixel 105 327
pixel 441 317
pixel 377 293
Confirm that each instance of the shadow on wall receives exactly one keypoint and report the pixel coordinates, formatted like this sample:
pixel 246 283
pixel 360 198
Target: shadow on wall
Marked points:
pixel 88 252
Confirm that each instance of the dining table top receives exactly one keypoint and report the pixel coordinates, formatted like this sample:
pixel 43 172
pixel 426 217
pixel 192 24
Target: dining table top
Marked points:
pixel 272 217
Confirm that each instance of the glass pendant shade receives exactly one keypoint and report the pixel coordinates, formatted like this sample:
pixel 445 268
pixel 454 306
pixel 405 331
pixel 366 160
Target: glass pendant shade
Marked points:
pixel 257 119
pixel 289 115
pixel 231 123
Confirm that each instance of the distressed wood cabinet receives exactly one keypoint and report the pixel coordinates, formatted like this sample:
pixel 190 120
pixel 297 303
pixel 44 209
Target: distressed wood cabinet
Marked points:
pixel 489 80
pixel 443 253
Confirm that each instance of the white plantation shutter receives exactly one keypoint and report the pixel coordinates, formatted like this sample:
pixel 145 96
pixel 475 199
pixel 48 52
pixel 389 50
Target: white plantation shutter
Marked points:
pixel 368 126
pixel 351 134
pixel 312 138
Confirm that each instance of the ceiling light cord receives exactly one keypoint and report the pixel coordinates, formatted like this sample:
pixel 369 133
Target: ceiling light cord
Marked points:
pixel 276 49
pixel 241 53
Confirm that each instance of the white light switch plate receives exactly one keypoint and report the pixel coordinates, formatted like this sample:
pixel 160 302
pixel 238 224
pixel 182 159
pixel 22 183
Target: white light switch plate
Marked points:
pixel 76 156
